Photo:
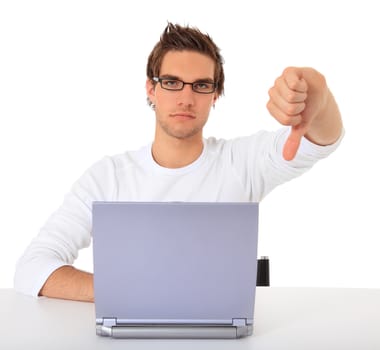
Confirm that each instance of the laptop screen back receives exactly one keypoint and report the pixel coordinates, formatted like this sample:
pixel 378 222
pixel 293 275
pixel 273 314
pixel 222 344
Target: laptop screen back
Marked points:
pixel 175 262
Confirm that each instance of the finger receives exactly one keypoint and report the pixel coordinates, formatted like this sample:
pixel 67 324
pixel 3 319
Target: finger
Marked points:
pixel 294 79
pixel 287 90
pixel 293 142
pixel 292 104
pixel 281 116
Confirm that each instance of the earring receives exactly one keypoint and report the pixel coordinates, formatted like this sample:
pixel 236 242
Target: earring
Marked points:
pixel 150 103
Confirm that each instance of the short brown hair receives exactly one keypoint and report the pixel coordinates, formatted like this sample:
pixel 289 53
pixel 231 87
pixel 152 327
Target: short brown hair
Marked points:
pixel 179 38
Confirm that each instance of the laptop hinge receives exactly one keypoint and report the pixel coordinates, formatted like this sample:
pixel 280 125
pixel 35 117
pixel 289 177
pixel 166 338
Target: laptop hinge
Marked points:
pixel 239 322
pixel 243 327
pixel 105 327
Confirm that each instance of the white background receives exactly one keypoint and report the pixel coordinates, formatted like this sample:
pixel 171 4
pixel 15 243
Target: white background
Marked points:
pixel 72 76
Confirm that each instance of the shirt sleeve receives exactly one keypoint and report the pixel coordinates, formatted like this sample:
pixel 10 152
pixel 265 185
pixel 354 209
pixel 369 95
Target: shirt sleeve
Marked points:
pixel 259 163
pixel 67 230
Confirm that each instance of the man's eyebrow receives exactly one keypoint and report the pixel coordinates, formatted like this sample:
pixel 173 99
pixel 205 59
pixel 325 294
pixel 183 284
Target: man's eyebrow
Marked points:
pixel 174 77
pixel 168 76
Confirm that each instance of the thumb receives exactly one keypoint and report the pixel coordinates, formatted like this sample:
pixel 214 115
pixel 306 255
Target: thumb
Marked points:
pixel 293 142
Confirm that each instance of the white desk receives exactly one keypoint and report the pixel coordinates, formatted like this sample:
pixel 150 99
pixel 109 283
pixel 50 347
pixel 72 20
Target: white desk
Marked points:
pixel 285 318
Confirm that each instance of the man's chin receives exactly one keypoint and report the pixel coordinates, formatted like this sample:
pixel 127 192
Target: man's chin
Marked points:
pixel 183 134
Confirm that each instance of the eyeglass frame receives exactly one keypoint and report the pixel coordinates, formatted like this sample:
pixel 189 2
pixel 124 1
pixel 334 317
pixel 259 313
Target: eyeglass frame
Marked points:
pixel 160 79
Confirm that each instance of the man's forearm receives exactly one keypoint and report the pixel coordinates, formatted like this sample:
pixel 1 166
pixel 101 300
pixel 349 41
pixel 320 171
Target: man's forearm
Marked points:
pixel 69 283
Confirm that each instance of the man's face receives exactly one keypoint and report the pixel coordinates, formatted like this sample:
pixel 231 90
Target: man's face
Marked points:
pixel 183 114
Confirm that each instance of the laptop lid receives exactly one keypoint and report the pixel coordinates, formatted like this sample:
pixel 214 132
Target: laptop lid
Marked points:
pixel 168 265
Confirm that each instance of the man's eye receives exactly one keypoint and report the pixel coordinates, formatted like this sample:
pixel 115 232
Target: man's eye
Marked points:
pixel 202 86
pixel 171 83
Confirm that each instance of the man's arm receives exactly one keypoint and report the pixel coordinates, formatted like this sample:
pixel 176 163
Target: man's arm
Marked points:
pixel 301 99
pixel 69 283
pixel 65 232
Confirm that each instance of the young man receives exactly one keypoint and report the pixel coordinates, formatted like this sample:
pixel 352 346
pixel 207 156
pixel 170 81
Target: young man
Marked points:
pixel 184 80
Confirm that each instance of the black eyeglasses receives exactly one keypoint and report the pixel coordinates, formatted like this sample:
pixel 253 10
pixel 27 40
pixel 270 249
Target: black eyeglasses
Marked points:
pixel 201 87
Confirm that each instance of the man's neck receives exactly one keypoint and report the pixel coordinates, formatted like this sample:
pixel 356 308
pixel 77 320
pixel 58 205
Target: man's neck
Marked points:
pixel 177 153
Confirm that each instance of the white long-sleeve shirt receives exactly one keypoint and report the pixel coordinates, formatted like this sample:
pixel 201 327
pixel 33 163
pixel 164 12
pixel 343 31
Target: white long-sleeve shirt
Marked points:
pixel 243 169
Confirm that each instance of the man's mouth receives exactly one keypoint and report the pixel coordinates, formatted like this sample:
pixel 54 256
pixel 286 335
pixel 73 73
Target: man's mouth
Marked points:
pixel 182 116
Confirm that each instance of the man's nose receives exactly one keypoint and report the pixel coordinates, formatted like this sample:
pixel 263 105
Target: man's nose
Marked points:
pixel 186 95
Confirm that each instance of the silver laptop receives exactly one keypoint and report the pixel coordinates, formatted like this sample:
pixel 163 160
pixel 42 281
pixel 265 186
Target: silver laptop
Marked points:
pixel 174 269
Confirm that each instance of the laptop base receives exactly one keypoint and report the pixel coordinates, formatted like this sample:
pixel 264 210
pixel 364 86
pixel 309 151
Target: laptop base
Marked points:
pixel 174 332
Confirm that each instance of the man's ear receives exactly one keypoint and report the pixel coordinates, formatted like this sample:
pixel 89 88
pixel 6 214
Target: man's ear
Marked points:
pixel 150 91
pixel 216 96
